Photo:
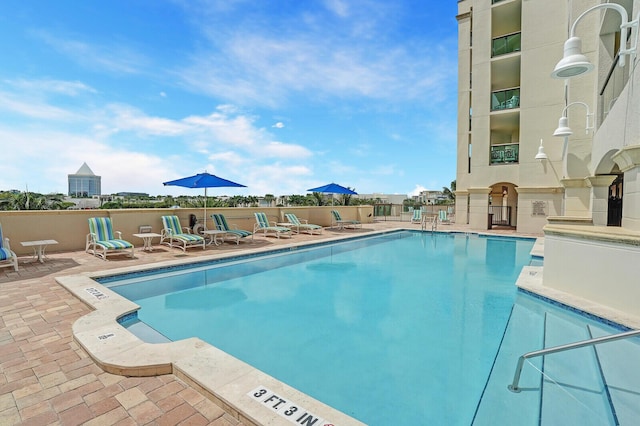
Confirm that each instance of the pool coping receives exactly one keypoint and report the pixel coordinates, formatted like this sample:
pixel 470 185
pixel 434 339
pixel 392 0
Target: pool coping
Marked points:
pixel 230 383
pixel 530 281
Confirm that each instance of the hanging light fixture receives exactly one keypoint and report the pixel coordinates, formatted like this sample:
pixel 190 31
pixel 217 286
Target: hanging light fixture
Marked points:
pixel 563 123
pixel 541 155
pixel 574 62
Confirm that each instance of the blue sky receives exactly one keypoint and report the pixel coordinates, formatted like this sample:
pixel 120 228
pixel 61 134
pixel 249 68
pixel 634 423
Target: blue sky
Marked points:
pixel 279 95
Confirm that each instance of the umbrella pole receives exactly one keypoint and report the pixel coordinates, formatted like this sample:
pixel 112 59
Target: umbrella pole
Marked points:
pixel 205 209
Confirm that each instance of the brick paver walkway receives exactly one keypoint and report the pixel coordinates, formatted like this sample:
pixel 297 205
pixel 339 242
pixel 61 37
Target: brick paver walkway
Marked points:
pixel 46 378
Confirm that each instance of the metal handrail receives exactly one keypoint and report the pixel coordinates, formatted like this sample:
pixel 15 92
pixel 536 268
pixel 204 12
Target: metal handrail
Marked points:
pixel 434 222
pixel 513 387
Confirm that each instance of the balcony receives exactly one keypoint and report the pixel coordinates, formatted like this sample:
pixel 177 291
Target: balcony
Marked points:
pixel 505 99
pixel 506 44
pixel 505 153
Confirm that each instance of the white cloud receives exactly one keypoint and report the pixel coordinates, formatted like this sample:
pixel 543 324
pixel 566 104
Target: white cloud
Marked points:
pixel 417 190
pixel 278 125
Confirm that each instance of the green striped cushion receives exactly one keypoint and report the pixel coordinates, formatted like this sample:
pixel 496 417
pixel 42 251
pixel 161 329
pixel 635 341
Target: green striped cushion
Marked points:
pixel 101 227
pixel 262 220
pixel 114 244
pixel 5 254
pixel 187 237
pixel 172 224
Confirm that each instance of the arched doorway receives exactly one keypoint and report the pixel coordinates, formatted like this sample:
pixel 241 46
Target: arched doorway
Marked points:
pixel 614 210
pixel 503 201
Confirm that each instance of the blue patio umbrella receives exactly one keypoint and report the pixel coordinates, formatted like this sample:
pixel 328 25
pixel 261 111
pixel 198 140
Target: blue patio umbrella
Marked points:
pixel 203 180
pixel 333 188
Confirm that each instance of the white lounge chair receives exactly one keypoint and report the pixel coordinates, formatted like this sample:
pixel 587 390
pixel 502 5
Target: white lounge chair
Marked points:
pixel 175 235
pixel 417 216
pixel 263 225
pixel 222 225
pixel 343 224
pixel 103 241
pixel 7 256
pixel 302 225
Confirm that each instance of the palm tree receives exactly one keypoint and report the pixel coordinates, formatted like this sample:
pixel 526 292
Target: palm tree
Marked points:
pixel 450 192
pixel 319 198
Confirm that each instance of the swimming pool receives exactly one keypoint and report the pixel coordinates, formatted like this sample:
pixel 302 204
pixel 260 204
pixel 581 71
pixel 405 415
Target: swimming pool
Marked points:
pixel 403 328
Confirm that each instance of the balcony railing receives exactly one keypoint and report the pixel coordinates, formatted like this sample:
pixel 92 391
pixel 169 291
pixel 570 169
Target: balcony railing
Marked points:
pixel 505 99
pixel 505 153
pixel 505 44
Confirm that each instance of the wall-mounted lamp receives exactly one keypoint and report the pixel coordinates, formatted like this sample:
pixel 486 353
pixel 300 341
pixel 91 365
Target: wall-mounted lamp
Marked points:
pixel 563 124
pixel 574 63
pixel 541 155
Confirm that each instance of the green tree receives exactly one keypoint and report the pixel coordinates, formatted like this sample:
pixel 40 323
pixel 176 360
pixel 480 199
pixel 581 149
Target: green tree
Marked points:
pixel 450 192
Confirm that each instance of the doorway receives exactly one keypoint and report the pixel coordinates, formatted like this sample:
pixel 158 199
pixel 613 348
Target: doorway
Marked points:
pixel 614 211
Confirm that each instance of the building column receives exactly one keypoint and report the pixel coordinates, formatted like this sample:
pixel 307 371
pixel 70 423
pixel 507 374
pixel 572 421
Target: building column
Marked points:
pixel 628 160
pixel 577 197
pixel 600 197
pixel 462 207
pixel 479 208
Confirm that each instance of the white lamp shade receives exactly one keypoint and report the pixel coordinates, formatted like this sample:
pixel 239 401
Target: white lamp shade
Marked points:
pixel 573 62
pixel 541 155
pixel 563 128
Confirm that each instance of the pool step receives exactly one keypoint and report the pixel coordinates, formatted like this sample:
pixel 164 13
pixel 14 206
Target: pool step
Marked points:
pixel 618 363
pixel 597 385
pixel 572 387
pixel 524 333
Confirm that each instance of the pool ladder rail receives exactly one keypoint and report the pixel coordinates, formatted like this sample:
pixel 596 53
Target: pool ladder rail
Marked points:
pixel 426 221
pixel 513 387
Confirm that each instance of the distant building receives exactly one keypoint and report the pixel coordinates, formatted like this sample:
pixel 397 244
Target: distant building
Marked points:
pixel 84 183
pixel 383 198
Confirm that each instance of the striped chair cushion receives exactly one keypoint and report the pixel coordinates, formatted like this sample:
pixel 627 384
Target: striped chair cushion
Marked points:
pixel 5 254
pixel 187 237
pixel 114 244
pixel 221 224
pixel 172 224
pixel 101 228
pixel 262 220
pixel 292 218
pixel 1 237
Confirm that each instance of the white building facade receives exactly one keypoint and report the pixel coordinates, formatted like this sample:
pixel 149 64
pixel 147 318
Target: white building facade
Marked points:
pixel 581 188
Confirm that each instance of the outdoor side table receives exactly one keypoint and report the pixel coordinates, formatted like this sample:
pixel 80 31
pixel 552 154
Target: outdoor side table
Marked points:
pixel 39 247
pixel 213 236
pixel 147 238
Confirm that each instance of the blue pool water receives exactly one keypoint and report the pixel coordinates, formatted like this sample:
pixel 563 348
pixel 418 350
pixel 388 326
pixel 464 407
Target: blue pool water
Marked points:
pixel 403 329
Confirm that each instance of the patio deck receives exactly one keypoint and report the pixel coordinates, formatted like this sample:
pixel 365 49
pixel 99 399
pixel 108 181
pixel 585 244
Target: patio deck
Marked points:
pixel 47 378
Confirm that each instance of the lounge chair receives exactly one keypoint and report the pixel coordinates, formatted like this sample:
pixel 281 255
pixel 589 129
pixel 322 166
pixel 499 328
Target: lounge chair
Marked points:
pixel 263 225
pixel 222 225
pixel 443 217
pixel 343 224
pixel 302 226
pixel 103 241
pixel 175 235
pixel 417 216
pixel 7 256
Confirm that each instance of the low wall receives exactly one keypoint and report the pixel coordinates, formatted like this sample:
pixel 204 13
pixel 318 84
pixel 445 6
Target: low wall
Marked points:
pixel 595 263
pixel 70 227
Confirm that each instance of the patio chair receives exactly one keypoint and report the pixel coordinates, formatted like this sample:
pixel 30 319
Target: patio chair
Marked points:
pixel 222 225
pixel 443 216
pixel 7 256
pixel 417 216
pixel 263 225
pixel 103 241
pixel 175 235
pixel 302 226
pixel 343 224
